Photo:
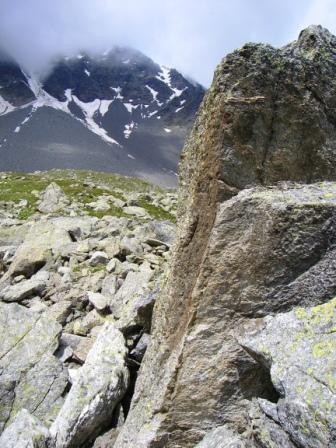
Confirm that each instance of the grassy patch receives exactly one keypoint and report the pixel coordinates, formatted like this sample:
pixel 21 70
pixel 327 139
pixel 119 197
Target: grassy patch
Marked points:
pixel 81 187
pixel 156 212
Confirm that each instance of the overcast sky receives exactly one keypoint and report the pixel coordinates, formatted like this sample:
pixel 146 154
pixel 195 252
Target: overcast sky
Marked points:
pixel 191 35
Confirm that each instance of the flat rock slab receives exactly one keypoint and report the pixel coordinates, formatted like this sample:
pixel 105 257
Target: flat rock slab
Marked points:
pixel 30 375
pixel 25 432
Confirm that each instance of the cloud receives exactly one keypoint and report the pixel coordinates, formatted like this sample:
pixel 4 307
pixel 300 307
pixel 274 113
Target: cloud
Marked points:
pixel 190 35
pixel 321 12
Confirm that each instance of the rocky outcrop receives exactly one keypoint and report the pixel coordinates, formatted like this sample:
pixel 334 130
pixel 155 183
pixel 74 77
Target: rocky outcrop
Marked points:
pixel 268 117
pixel 299 350
pixel 97 388
pixel 76 300
pixel 53 199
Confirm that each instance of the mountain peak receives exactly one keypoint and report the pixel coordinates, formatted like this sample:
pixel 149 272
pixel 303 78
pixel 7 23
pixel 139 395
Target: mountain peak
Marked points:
pixel 315 37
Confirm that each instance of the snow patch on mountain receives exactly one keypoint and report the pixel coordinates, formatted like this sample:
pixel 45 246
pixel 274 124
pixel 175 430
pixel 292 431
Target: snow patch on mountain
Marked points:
pixel 129 128
pixel 164 75
pixel 5 106
pixel 93 126
pixel 130 107
pixel 104 106
pixel 118 91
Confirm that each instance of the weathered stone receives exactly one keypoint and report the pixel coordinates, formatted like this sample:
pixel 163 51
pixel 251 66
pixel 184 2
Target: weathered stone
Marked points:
pixel 25 432
pixel 222 437
pixel 97 389
pixel 265 250
pixel 98 258
pixel 132 297
pixel 24 289
pixel 83 326
pixel 53 199
pixel 40 390
pixel 109 286
pixel 299 349
pixel 139 212
pixel 28 340
pixel 140 349
pixel 99 301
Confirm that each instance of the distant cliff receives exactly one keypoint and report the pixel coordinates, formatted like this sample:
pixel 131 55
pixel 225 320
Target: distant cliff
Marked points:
pixel 243 340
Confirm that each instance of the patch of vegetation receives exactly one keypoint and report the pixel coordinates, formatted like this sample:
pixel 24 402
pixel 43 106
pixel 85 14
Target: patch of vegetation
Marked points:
pixel 80 186
pixel 112 211
pixel 156 212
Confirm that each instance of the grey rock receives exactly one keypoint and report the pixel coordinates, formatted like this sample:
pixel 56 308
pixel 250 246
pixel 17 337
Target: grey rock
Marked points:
pixel 299 349
pixel 28 340
pixel 266 250
pixel 112 265
pixel 53 199
pixel 140 349
pixel 131 296
pixel 97 389
pixel 84 325
pixel 24 289
pixel 222 437
pixel 40 389
pixel 99 301
pixel 139 212
pixel 25 432
pixel 109 286
pixel 97 258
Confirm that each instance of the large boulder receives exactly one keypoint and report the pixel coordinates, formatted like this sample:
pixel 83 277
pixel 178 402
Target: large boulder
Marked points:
pixel 53 199
pixel 299 350
pixel 30 376
pixel 44 239
pixel 98 386
pixel 269 116
pixel 268 250
pixel 25 432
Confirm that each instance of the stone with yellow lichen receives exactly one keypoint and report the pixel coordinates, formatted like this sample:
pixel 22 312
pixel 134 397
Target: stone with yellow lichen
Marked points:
pixel 299 347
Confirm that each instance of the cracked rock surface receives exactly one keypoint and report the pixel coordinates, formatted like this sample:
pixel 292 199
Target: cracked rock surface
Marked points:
pixel 256 237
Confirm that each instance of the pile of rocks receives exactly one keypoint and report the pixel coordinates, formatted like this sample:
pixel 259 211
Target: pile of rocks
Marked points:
pixel 76 301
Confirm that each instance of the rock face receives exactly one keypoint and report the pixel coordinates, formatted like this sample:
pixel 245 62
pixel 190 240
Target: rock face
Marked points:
pixel 268 117
pixel 299 349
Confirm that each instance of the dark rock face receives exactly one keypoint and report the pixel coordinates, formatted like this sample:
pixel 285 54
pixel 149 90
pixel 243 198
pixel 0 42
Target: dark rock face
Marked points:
pixel 268 117
pixel 13 85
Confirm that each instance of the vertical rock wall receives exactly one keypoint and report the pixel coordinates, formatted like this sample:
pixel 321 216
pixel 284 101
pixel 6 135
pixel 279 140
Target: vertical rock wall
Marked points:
pixel 269 116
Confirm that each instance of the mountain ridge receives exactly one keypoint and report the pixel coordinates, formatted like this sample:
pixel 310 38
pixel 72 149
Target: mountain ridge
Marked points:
pixel 122 96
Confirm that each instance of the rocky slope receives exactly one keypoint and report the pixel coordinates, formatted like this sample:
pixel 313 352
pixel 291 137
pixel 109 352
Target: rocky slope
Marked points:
pixel 80 252
pixel 246 316
pixel 118 112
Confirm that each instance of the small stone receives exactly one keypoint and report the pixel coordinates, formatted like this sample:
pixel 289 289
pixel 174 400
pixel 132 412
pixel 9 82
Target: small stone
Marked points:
pixel 98 258
pixel 99 301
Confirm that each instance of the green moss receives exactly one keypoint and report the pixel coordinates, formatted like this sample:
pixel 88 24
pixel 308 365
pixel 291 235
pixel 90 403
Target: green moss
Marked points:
pixel 80 187
pixel 156 212
pixel 112 211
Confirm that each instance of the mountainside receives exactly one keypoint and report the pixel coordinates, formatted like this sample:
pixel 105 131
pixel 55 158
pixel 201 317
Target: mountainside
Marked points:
pixel 137 113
